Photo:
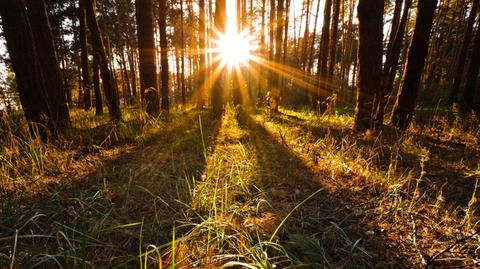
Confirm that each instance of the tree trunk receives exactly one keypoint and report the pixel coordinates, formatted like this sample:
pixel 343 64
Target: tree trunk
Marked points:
pixel 87 104
pixel 47 57
pixel 182 55
pixel 218 99
pixel 391 64
pixel 469 99
pixel 111 92
pixel 162 24
pixel 263 48
pixel 370 16
pixel 96 85
pixel 30 86
pixel 146 47
pixel 271 44
pixel 285 40
pixel 457 81
pixel 324 42
pixel 303 60
pixel 403 109
pixel 275 90
pixel 314 36
pixel 333 39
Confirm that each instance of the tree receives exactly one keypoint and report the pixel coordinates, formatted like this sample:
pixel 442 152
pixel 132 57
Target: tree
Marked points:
pixel 47 57
pixel 202 48
pixel 324 41
pixel 96 85
pixel 146 47
pixel 217 91
pixel 84 56
pixel 403 109
pixel 391 63
pixel 275 89
pixel 370 16
pixel 333 39
pixel 162 24
pixel 25 64
pixel 471 101
pixel 463 53
pixel 111 92
pixel 182 54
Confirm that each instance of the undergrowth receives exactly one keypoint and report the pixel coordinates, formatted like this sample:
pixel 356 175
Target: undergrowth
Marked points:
pixel 245 190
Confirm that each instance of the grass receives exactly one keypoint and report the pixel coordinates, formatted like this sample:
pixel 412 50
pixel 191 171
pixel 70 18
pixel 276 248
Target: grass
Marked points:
pixel 245 190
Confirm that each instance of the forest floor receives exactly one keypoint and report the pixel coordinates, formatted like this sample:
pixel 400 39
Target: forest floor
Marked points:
pixel 244 190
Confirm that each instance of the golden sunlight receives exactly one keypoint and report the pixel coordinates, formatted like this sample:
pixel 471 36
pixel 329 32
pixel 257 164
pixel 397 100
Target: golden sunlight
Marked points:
pixel 234 48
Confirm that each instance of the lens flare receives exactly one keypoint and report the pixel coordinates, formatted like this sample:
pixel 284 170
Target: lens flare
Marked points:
pixel 234 50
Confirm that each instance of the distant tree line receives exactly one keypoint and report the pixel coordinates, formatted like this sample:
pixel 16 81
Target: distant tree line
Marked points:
pixel 156 53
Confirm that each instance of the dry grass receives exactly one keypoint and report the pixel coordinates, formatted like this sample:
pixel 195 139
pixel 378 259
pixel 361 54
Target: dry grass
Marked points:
pixel 247 190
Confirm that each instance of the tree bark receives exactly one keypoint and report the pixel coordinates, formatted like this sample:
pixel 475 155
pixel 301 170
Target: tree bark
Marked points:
pixel 471 101
pixel 370 16
pixel 30 85
pixel 162 24
pixel 403 109
pixel 391 64
pixel 47 57
pixel 457 81
pixel 303 60
pixel 182 55
pixel 325 40
pixel 218 99
pixel 96 85
pixel 146 47
pixel 333 39
pixel 87 104
pixel 202 49
pixel 111 92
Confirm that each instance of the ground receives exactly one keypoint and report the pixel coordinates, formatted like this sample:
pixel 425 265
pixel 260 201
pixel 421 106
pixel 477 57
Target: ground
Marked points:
pixel 247 189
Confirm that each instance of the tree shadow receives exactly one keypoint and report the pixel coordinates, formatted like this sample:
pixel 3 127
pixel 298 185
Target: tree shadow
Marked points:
pixel 446 168
pixel 330 217
pixel 102 218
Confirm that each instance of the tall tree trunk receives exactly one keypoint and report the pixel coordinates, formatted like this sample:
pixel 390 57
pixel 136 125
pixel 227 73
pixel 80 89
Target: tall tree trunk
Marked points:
pixel 111 92
pixel 263 48
pixel 182 54
pixel 47 57
pixel 370 16
pixel 126 82
pixel 271 46
pixel 218 99
pixel 30 86
pixel 285 34
pixel 469 99
pixel 391 64
pixel 403 109
pixel 87 104
pixel 333 39
pixel 96 85
pixel 314 36
pixel 202 47
pixel 457 81
pixel 162 24
pixel 397 12
pixel 303 61
pixel 324 42
pixel 148 64
pixel 275 90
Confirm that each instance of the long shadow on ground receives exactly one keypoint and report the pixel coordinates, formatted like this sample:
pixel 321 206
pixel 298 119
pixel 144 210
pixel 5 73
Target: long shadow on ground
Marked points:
pixel 446 170
pixel 107 217
pixel 326 231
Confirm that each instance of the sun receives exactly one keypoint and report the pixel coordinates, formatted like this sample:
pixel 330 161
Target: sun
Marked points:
pixel 234 49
